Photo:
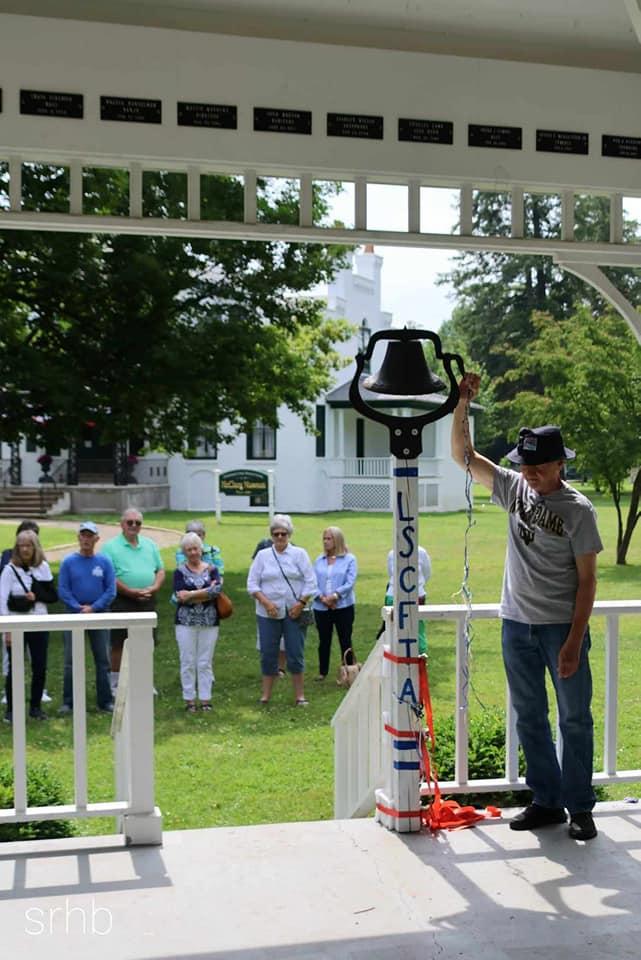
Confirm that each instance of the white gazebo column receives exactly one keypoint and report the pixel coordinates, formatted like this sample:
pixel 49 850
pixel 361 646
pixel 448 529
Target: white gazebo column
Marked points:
pixel 398 807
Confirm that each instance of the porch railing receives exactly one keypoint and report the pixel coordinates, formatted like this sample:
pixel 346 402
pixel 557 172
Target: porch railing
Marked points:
pixel 133 801
pixel 378 467
pixel 360 764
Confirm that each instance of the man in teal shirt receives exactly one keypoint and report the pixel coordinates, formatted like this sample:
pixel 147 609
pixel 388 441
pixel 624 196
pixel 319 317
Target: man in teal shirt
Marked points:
pixel 139 576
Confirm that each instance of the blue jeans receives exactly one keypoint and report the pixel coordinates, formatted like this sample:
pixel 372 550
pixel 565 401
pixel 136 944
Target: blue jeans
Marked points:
pixel 528 651
pixel 99 640
pixel 269 633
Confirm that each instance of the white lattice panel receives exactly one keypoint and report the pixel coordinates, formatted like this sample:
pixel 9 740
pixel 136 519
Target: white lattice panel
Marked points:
pixel 366 496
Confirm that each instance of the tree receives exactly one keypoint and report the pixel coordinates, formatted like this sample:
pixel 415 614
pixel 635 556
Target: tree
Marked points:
pixel 160 338
pixel 498 294
pixel 590 369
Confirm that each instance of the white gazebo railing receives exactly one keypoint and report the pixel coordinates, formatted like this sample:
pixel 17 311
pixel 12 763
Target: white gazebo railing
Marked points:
pixel 133 802
pixel 361 765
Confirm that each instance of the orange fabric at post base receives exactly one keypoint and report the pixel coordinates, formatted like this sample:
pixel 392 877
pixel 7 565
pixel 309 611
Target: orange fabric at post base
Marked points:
pixel 442 814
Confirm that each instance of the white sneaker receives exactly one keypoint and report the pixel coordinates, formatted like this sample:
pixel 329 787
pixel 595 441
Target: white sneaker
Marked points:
pixel 4 698
pixel 45 697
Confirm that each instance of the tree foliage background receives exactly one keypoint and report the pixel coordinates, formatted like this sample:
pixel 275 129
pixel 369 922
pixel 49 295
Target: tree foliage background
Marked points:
pixel 157 337
pixel 549 348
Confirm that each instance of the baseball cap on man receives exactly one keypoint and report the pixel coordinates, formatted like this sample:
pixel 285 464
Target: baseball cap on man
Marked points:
pixel 88 525
pixel 540 445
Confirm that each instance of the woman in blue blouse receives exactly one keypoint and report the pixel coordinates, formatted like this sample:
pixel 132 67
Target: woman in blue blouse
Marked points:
pixel 336 572
pixel 196 584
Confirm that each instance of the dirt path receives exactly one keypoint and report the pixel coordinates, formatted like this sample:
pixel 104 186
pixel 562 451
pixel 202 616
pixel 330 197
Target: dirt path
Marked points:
pixel 161 535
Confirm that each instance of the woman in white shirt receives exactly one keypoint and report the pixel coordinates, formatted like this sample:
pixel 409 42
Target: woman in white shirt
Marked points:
pixel 282 581
pixel 27 564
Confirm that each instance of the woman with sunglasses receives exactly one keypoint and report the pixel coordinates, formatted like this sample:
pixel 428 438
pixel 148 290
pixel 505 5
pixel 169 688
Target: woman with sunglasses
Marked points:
pixel 282 582
pixel 26 565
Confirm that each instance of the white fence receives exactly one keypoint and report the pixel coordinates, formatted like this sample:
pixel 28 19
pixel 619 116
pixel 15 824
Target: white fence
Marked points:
pixel 132 728
pixel 360 763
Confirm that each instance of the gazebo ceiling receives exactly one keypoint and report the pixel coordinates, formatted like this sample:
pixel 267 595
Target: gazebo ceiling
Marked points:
pixel 602 34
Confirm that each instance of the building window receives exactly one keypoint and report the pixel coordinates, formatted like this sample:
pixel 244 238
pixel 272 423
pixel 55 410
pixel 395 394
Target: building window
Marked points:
pixel 203 450
pixel 320 430
pixel 261 442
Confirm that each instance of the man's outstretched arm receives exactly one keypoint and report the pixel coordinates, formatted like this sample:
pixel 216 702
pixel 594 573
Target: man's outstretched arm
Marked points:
pixel 481 468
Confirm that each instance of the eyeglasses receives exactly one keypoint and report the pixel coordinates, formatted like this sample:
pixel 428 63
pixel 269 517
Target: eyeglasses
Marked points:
pixel 133 523
pixel 279 533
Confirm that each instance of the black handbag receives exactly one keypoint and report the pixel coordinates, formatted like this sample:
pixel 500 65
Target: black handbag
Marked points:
pixel 17 602
pixel 44 590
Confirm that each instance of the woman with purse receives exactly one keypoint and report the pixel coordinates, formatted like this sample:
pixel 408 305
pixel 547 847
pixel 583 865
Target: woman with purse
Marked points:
pixel 26 587
pixel 336 571
pixel 281 580
pixel 196 586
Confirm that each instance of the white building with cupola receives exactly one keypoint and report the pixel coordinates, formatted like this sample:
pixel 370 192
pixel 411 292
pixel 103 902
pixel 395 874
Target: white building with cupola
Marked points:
pixel 347 464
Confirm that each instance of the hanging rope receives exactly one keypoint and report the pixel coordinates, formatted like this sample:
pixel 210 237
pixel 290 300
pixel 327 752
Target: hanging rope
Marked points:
pixel 465 591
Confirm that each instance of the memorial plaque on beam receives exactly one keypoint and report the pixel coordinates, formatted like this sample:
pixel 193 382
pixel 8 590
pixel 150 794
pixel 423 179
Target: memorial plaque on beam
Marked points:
pixel 362 126
pixel 131 109
pixel 425 131
pixel 276 120
pixel 46 103
pixel 497 138
pixel 218 115
pixel 626 147
pixel 562 141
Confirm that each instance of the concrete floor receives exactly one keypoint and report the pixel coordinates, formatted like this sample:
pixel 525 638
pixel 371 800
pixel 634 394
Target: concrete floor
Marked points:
pixel 339 890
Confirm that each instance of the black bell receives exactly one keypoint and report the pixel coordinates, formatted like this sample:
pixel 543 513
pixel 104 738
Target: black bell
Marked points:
pixel 404 372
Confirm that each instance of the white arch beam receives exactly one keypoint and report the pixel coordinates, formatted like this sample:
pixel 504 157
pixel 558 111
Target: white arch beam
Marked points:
pixel 623 255
pixel 593 275
pixel 634 12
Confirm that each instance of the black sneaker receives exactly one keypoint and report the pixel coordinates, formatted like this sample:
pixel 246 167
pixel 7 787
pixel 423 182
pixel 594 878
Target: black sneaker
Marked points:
pixel 37 714
pixel 582 826
pixel 535 816
pixel 8 717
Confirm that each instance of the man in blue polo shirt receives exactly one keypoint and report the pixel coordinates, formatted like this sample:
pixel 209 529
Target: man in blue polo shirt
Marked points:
pixel 87 584
pixel 139 576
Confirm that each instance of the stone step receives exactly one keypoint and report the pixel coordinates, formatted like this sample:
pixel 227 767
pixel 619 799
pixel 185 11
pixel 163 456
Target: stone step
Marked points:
pixel 27 502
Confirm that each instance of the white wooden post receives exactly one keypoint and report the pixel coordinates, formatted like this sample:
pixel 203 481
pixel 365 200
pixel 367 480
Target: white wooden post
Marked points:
pixel 19 725
pixel 399 808
pixel 142 824
pixel 219 509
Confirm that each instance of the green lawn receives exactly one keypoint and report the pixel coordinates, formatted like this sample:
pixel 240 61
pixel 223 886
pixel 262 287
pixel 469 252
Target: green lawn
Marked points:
pixel 245 764
pixel 50 537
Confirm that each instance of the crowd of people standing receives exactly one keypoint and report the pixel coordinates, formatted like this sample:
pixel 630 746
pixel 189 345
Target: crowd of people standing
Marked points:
pixel 126 573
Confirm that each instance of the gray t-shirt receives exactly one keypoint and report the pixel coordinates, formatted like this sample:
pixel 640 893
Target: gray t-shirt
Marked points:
pixel 545 535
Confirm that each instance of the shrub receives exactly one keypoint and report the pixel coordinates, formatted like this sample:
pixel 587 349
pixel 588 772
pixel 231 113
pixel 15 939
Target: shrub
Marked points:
pixel 486 757
pixel 43 790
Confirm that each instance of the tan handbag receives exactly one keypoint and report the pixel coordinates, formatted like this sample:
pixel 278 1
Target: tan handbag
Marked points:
pixel 347 672
pixel 224 605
